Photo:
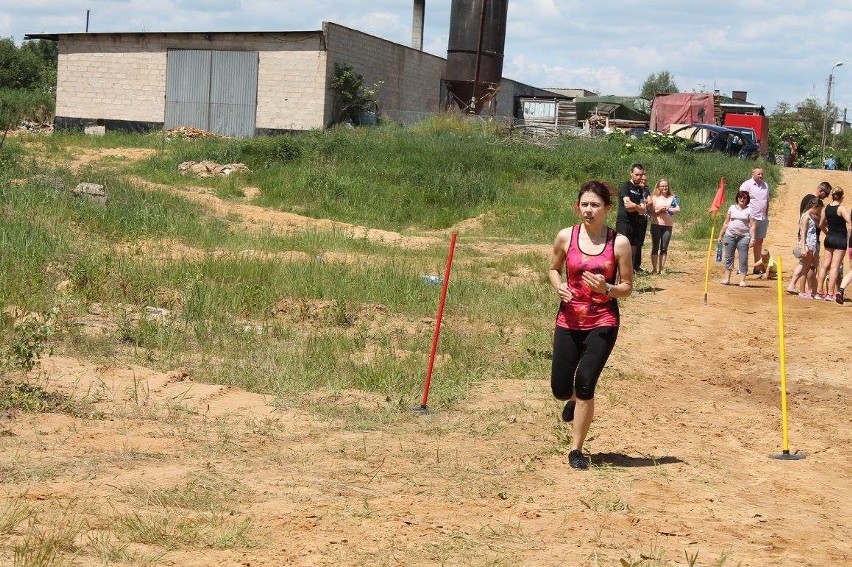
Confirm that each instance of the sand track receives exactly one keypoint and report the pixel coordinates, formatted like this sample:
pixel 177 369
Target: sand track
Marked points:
pixel 686 419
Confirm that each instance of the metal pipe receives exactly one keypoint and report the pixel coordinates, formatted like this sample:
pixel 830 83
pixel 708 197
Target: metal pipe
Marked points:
pixel 478 56
pixel 417 20
pixel 437 333
pixel 834 126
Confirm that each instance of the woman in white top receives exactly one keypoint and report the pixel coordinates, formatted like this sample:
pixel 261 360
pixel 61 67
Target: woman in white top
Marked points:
pixel 663 206
pixel 737 233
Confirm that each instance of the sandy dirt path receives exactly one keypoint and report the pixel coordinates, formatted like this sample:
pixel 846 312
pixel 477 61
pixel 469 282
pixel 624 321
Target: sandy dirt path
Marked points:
pixel 688 414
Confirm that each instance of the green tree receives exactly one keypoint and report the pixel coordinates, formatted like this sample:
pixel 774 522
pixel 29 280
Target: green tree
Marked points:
pixel 786 121
pixel 804 123
pixel 812 114
pixel 46 53
pixel 17 71
pixel 661 82
pixel 354 96
pixel 32 66
pixel 27 82
pixel 783 122
pixel 842 149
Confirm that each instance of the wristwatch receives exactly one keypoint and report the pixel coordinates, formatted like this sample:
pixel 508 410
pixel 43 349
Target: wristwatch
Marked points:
pixel 608 289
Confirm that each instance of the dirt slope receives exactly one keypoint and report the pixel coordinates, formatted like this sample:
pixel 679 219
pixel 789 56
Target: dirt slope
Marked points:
pixel 687 417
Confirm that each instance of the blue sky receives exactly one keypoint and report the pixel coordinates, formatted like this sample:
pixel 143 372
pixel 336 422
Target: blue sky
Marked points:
pixel 774 50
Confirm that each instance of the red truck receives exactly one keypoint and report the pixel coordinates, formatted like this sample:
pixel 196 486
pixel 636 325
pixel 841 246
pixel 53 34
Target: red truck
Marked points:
pixel 760 125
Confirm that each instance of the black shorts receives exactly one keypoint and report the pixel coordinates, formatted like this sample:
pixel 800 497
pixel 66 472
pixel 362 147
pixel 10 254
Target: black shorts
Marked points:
pixel 834 241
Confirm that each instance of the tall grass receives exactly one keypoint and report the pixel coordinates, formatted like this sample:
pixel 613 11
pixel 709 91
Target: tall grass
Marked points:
pixel 434 176
pixel 287 313
pixel 25 104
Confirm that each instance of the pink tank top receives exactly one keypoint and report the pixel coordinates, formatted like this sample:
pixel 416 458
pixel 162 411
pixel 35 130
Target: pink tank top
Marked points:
pixel 588 309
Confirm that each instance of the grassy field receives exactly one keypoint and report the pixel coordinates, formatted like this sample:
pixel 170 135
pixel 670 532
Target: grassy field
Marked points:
pixel 61 255
pixel 161 278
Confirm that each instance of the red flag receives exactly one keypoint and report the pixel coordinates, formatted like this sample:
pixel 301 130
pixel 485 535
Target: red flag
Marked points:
pixel 719 199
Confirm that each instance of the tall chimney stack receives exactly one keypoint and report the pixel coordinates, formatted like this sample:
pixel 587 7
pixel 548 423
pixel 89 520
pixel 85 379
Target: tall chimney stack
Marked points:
pixel 417 24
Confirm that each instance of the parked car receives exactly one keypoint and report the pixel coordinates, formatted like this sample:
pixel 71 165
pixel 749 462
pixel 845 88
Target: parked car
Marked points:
pixel 713 138
pixel 750 135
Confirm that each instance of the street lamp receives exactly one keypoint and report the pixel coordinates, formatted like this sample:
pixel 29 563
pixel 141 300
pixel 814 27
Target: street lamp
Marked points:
pixel 827 106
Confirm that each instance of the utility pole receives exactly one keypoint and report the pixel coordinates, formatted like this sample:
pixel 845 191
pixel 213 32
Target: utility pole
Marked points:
pixel 827 111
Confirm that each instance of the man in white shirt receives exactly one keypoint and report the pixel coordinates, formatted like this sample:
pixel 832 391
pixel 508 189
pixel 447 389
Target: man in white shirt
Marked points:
pixel 758 190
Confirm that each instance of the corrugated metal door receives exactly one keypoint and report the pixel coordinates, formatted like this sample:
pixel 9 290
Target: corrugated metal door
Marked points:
pixel 212 90
pixel 233 93
pixel 188 89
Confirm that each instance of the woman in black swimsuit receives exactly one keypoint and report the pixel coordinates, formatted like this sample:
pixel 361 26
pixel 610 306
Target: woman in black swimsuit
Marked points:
pixel 834 222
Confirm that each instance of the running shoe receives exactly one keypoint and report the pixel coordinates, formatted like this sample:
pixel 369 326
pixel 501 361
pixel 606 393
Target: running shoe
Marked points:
pixel 576 460
pixel 805 295
pixel 829 297
pixel 839 298
pixel 743 284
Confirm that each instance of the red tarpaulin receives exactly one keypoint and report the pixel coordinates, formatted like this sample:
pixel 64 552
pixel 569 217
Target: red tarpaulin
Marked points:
pixel 681 108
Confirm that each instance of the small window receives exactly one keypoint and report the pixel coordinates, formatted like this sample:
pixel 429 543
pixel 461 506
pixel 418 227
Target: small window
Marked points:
pixel 540 110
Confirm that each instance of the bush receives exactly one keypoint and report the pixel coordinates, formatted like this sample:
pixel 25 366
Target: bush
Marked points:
pixel 17 105
pixel 29 341
pixel 355 97
pixel 650 142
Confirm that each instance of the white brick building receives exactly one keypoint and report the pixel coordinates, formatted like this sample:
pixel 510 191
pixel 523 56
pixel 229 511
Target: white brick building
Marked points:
pixel 262 82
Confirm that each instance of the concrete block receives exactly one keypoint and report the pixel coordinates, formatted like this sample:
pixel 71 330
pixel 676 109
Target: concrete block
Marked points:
pixel 91 191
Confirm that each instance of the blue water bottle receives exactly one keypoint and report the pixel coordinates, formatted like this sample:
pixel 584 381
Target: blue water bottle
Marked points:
pixel 718 252
pixel 675 203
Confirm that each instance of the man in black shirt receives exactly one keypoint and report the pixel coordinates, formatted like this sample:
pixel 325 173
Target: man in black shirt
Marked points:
pixel 823 190
pixel 631 220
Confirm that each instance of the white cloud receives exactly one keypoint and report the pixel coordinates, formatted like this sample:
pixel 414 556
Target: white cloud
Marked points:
pixel 774 50
pixel 384 24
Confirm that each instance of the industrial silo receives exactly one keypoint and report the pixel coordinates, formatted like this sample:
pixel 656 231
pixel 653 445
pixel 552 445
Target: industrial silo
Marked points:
pixel 475 52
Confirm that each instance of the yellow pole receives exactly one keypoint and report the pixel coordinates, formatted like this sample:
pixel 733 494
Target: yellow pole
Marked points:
pixel 783 356
pixel 785 454
pixel 709 252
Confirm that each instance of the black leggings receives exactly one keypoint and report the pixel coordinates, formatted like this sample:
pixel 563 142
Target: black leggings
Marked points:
pixel 578 360
pixel 641 229
pixel 660 238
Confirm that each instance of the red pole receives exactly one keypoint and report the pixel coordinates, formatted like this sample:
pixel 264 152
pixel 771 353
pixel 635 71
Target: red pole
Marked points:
pixel 438 323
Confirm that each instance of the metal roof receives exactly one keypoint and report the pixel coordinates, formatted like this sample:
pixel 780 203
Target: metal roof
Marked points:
pixel 55 36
